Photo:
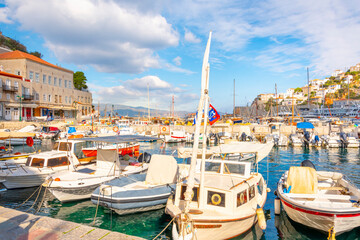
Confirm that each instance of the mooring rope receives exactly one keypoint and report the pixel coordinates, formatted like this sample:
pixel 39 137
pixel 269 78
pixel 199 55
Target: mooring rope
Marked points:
pixel 42 200
pixel 28 198
pixel 164 228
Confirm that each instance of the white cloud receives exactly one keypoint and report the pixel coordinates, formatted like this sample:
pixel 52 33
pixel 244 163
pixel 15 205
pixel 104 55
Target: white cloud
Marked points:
pixel 4 12
pixel 190 37
pixel 326 31
pixel 134 92
pixel 177 61
pixel 112 36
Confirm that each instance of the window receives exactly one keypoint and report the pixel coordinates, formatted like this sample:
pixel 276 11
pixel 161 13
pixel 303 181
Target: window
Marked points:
pixel 8 83
pixel 55 80
pixel 36 96
pixel 37 77
pixel 44 79
pixel 70 100
pixel 59 82
pixel 16 84
pixel 241 198
pixel 65 84
pixel 252 192
pixel 65 99
pixel 49 98
pixel 0 82
pixel 49 80
pixel 60 100
pixel 37 162
pixel 0 98
pixel 17 72
pixel 195 196
pixel 57 162
pixel 31 75
pixel 56 98
pixel 216 199
pixel 8 96
pixel 65 146
pixel 70 84
pixel 44 97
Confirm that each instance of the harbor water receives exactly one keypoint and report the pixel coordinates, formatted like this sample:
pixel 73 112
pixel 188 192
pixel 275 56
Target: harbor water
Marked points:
pixel 149 224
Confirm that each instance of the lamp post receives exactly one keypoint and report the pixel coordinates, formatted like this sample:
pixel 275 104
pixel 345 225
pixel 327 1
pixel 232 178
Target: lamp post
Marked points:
pixel 20 98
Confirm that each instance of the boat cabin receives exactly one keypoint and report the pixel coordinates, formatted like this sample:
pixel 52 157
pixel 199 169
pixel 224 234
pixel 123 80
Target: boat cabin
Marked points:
pixel 43 160
pixel 75 147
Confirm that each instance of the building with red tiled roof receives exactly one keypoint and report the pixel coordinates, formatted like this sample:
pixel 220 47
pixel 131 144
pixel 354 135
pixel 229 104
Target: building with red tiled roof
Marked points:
pixel 45 89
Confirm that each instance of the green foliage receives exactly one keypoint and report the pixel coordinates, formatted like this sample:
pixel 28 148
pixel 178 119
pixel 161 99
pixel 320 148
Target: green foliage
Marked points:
pixel 36 54
pixel 80 80
pixel 269 103
pixel 298 90
pixel 312 94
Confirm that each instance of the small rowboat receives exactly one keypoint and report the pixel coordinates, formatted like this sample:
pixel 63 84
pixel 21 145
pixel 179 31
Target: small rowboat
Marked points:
pixel 123 148
pixel 322 200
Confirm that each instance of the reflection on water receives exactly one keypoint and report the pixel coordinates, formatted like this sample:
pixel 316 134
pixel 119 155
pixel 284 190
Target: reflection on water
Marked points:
pixel 149 224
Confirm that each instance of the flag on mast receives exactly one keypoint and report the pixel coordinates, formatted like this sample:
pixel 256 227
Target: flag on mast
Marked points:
pixel 213 115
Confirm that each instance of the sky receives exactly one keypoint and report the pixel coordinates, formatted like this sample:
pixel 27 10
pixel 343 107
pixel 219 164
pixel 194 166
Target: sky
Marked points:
pixel 125 46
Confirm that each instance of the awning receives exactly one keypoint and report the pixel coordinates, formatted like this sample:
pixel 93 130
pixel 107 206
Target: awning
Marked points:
pixel 58 107
pixel 6 135
pixel 304 125
pixel 119 139
pixel 24 105
pixel 260 149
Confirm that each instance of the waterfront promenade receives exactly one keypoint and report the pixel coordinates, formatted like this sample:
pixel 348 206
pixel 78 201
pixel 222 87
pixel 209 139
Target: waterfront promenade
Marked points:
pixel 25 226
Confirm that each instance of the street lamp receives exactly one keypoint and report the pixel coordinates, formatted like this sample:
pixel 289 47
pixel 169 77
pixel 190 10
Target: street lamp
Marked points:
pixel 20 98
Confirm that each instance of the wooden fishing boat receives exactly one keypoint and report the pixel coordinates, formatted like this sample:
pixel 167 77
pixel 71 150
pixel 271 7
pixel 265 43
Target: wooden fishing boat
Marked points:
pixel 323 200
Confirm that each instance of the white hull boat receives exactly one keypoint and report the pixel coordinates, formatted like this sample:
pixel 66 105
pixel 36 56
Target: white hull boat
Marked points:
pixel 322 200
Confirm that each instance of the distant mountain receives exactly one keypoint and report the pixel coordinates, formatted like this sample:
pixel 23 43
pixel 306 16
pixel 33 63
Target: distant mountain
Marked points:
pixel 123 110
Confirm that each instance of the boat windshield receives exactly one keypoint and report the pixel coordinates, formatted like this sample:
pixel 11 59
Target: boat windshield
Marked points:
pixel 228 167
pixel 56 145
pixel 37 162
pixel 65 146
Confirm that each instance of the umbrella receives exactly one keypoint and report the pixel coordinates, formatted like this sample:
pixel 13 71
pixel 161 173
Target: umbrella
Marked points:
pixel 304 125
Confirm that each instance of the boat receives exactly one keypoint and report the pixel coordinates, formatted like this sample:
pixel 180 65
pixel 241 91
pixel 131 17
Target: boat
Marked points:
pixel 295 140
pixel 79 184
pixel 36 169
pixel 18 141
pixel 323 200
pixel 221 201
pixel 48 132
pixel 176 136
pixel 131 149
pixel 140 192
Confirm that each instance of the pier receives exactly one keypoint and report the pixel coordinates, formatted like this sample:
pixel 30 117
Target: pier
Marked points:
pixel 20 225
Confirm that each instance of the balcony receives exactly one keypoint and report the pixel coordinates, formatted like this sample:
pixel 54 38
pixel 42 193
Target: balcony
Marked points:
pixel 8 88
pixel 28 97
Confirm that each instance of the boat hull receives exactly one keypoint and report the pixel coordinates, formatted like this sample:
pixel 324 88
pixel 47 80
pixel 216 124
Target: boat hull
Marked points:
pixel 322 221
pixel 73 194
pixel 131 151
pixel 12 182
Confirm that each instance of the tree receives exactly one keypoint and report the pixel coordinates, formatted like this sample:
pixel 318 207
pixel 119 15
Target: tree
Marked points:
pixel 80 80
pixel 36 54
pixel 296 90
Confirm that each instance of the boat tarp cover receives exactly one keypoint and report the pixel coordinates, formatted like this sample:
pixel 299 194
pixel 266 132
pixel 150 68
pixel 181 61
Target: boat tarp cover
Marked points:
pixel 303 180
pixel 107 159
pixel 304 125
pixel 162 170
pixel 260 149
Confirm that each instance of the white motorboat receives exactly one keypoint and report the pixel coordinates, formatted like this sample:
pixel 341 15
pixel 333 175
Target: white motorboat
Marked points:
pixel 295 140
pixel 176 136
pixel 36 169
pixel 323 200
pixel 140 192
pixel 222 200
pixel 78 184
pixel 278 140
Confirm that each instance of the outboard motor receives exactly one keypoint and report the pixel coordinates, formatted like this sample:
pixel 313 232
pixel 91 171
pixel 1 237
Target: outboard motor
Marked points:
pixel 276 140
pixel 243 137
pixel 306 138
pixel 144 157
pixel 343 139
pixel 307 163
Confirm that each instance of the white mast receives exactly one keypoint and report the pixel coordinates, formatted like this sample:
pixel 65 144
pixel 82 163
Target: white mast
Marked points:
pixel 203 97
pixel 148 102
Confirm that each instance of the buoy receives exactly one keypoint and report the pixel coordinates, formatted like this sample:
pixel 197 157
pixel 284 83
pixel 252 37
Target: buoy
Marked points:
pixel 277 206
pixel 261 218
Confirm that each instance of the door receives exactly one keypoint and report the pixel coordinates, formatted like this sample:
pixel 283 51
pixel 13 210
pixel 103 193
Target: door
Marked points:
pixel 7 114
pixel 28 113
pixel 15 114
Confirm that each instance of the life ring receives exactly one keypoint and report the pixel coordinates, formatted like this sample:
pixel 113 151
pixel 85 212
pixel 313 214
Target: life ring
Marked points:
pixel 29 141
pixel 163 129
pixel 216 199
pixel 115 129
